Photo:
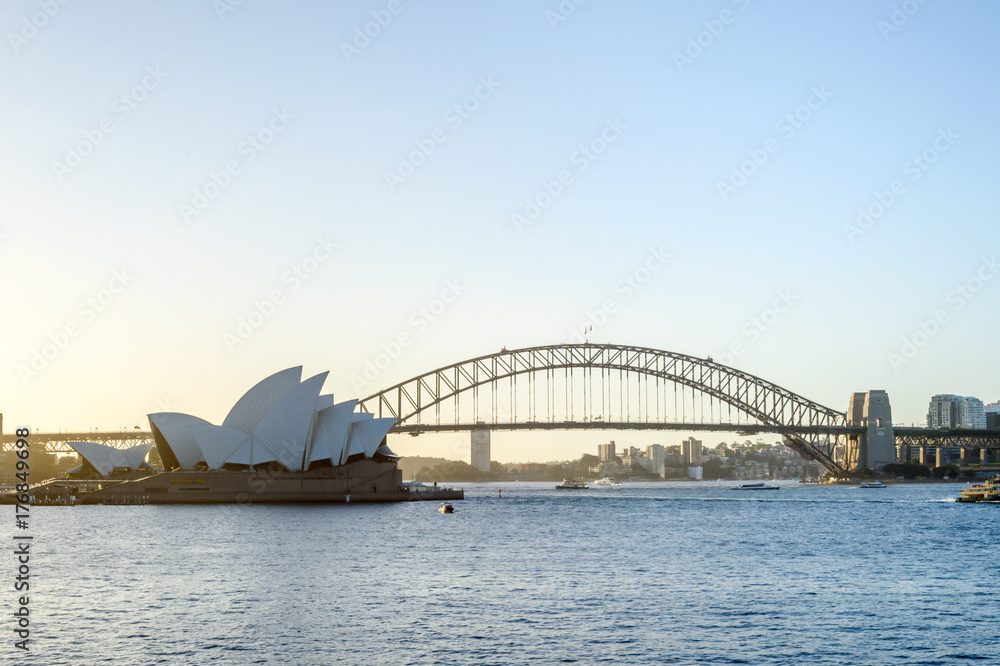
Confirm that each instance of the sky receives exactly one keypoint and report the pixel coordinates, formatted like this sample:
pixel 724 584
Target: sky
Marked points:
pixel 197 194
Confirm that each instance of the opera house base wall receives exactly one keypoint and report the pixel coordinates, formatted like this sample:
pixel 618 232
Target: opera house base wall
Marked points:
pixel 360 481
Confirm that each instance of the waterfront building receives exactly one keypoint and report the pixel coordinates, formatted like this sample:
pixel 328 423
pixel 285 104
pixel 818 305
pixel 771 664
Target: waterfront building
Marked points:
pixel 971 413
pixel 481 449
pixel 669 472
pixel 992 412
pixel 606 452
pixel 947 410
pixel 655 457
pixel 282 422
pixel 696 472
pixel 942 412
pixel 691 451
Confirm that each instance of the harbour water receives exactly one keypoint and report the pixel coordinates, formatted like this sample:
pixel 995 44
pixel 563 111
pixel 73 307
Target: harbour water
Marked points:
pixel 640 573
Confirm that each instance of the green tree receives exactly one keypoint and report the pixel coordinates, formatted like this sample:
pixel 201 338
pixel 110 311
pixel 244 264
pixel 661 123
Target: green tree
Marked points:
pixel 950 471
pixel 639 470
pixel 713 470
pixel 908 470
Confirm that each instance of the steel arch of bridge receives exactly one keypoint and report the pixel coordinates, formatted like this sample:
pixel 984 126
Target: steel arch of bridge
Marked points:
pixel 771 405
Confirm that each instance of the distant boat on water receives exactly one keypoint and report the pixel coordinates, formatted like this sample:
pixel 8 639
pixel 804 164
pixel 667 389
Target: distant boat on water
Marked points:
pixel 572 484
pixel 754 486
pixel 873 484
pixel 607 481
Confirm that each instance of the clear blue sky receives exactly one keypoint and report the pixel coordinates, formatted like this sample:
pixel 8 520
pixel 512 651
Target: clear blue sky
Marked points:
pixel 333 114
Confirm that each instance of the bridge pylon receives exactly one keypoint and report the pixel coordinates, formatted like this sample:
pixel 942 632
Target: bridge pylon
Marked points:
pixel 875 446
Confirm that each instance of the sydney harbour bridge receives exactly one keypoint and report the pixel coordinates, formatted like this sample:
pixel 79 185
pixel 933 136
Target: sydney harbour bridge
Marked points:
pixel 618 387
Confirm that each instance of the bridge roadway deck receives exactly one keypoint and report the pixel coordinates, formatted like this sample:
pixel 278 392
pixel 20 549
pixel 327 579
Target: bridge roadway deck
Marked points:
pixel 57 441
pixel 744 428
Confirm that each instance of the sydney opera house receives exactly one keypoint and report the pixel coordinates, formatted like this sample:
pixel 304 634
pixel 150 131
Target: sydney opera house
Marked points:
pixel 283 441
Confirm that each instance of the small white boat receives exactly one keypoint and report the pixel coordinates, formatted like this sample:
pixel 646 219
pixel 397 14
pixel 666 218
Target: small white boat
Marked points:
pixel 754 486
pixel 607 481
pixel 873 484
pixel 447 507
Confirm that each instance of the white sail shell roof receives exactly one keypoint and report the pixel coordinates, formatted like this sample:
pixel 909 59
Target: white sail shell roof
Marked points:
pixel 285 428
pixel 332 427
pixel 370 432
pixel 354 438
pixel 248 411
pixel 218 443
pixel 106 458
pixel 330 434
pixel 176 430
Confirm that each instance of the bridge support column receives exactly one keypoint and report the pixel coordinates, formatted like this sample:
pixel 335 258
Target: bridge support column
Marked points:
pixel 983 457
pixel 923 455
pixel 877 444
pixel 961 456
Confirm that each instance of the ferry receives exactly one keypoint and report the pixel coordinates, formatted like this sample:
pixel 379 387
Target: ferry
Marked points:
pixel 988 491
pixel 754 486
pixel 572 484
pixel 873 484
pixel 607 481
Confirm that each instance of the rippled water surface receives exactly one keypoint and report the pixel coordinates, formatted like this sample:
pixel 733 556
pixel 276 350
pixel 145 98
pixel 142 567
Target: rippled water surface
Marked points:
pixel 642 573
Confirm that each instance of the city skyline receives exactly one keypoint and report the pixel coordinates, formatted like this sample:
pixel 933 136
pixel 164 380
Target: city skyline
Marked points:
pixel 215 194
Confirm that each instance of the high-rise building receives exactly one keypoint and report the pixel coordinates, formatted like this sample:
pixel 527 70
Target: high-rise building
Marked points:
pixel 606 452
pixel 691 451
pixel 992 412
pixel 655 457
pixel 954 411
pixel 481 449
pixel 971 413
pixel 942 412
